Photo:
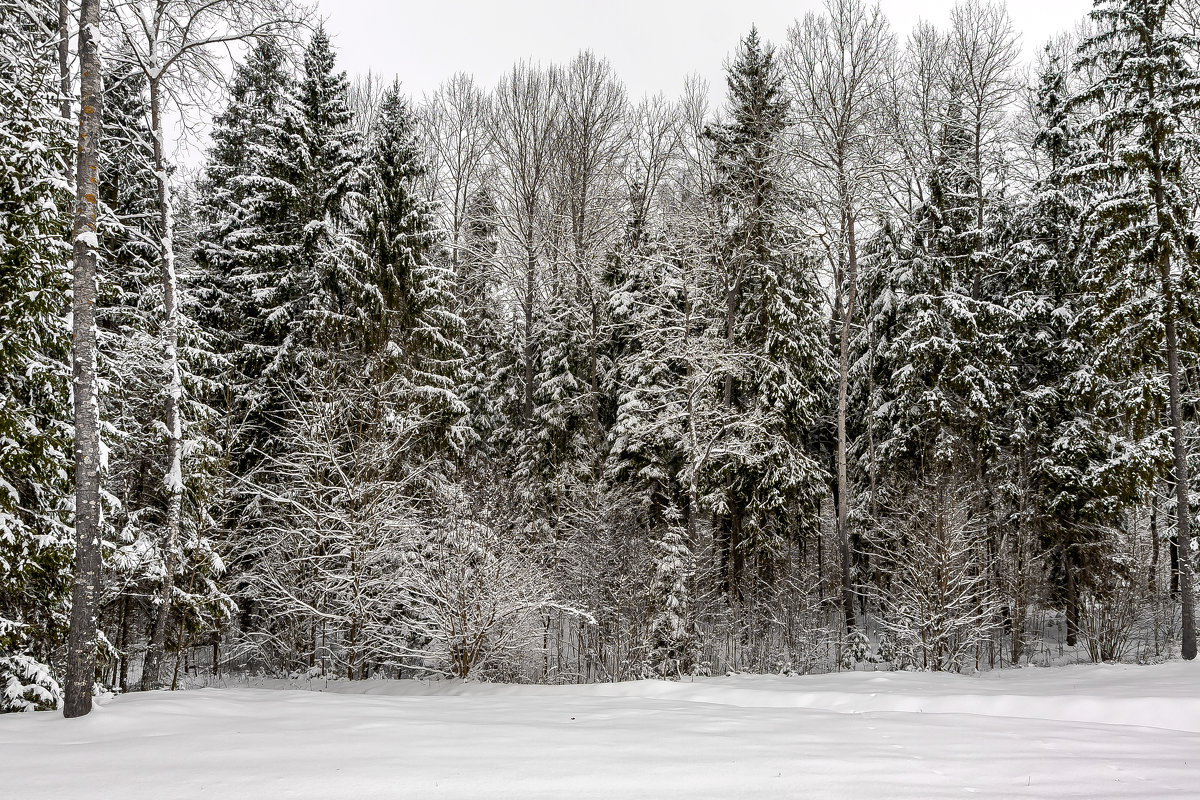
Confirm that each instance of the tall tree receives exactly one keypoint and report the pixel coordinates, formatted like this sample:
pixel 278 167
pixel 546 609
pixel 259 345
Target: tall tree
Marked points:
pixel 327 164
pixel 81 646
pixel 176 45
pixel 35 542
pixel 838 67
pixel 774 358
pixel 409 323
pixel 1148 91
pixel 248 242
pixel 524 123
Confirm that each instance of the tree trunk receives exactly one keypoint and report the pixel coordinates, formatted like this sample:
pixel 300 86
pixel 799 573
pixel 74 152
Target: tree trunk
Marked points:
pixel 1187 597
pixel 81 643
pixel 1173 546
pixel 172 400
pixel 1154 548
pixel 843 482
pixel 530 269
pixel 1072 600
pixel 1183 509
pixel 64 58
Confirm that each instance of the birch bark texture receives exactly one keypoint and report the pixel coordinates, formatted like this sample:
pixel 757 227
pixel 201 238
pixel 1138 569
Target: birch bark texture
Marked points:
pixel 85 592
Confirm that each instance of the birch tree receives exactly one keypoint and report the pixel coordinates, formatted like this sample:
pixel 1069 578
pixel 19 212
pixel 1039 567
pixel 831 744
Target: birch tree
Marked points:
pixel 81 645
pixel 838 66
pixel 179 45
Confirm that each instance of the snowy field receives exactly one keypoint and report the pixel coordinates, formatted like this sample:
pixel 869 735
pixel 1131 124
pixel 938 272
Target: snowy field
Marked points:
pixel 1083 731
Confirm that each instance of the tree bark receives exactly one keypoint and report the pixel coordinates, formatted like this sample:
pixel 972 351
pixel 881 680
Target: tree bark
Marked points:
pixel 527 308
pixel 173 399
pixel 64 58
pixel 1183 509
pixel 1072 599
pixel 1165 222
pixel 81 643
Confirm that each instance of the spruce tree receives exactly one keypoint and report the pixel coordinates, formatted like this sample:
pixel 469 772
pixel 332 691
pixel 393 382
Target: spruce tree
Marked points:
pixel 762 483
pixel 410 325
pixel 1146 89
pixel 35 416
pixel 647 452
pixel 248 242
pixel 326 164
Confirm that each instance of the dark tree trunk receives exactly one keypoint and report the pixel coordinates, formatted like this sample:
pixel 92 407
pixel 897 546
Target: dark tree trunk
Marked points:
pixel 1187 596
pixel 64 58
pixel 843 481
pixel 1174 547
pixel 1072 602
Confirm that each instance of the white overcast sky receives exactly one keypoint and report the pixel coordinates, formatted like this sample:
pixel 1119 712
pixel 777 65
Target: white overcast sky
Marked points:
pixel 652 44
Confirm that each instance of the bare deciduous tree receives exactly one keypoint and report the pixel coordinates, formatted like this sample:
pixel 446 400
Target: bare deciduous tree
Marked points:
pixel 592 146
pixel 838 64
pixel 457 124
pixel 524 127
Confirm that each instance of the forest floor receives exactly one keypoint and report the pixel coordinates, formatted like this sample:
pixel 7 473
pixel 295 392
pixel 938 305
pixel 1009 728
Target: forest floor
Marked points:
pixel 1081 731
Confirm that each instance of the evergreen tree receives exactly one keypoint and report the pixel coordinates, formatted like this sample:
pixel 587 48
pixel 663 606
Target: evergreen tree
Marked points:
pixel 1080 456
pixel 476 289
pixel 946 358
pixel 775 351
pixel 673 647
pixel 250 238
pixel 1147 89
pixel 35 413
pixel 647 451
pixel 325 173
pixel 409 322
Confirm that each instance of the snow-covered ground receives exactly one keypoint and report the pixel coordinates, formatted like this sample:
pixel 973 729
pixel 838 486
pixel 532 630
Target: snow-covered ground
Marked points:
pixel 1084 731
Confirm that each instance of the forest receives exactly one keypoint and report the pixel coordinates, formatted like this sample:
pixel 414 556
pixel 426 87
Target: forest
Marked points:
pixel 881 356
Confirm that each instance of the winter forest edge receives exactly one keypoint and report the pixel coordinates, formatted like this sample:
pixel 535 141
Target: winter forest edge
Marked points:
pixel 887 361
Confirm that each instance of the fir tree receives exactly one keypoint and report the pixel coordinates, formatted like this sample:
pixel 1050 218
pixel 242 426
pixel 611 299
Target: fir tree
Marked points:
pixel 250 237
pixel 326 165
pixel 647 451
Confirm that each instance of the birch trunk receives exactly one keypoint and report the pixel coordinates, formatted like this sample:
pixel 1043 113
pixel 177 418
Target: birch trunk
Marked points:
pixel 174 394
pixel 81 643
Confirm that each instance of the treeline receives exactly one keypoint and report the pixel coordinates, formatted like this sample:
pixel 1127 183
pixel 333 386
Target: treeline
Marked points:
pixel 890 359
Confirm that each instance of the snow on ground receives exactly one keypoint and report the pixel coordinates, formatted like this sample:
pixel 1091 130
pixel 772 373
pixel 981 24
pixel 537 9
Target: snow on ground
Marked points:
pixel 1085 731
